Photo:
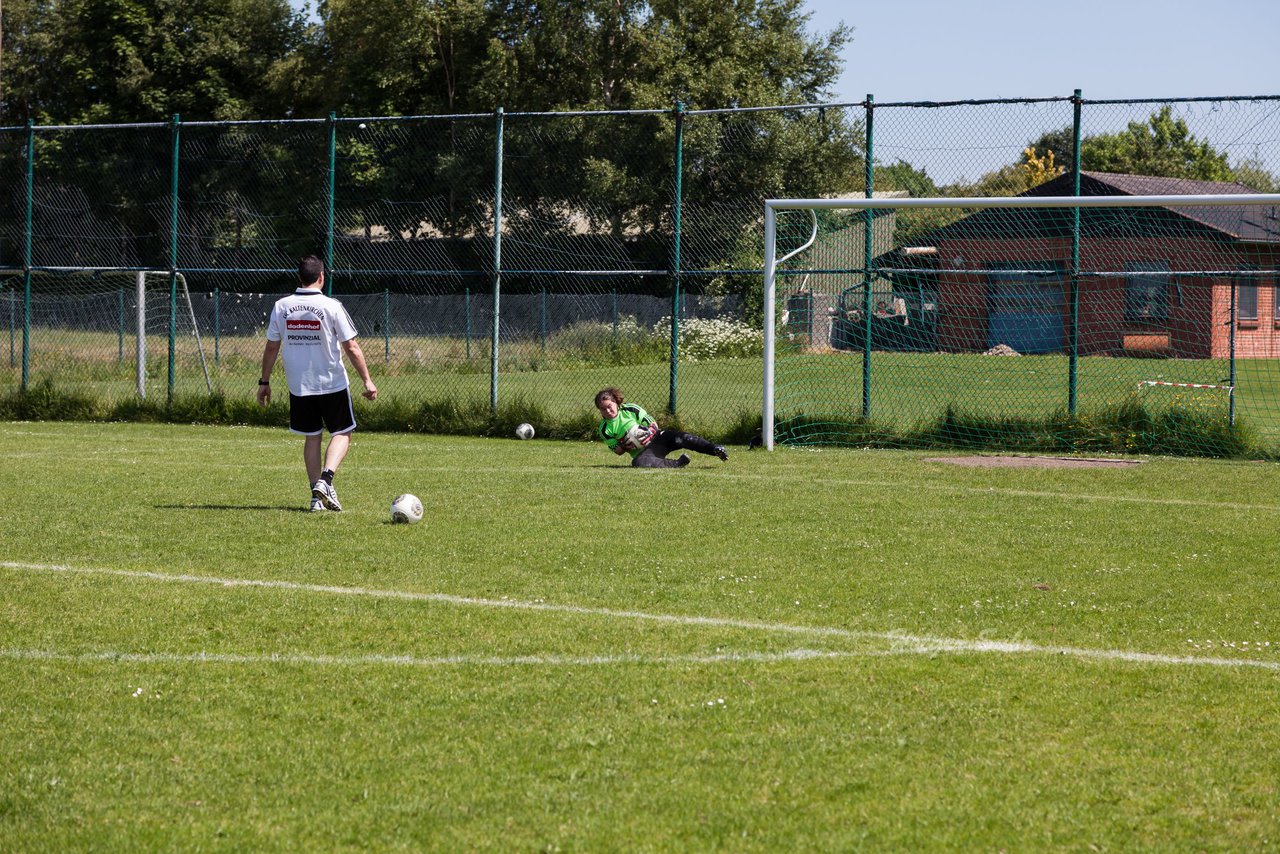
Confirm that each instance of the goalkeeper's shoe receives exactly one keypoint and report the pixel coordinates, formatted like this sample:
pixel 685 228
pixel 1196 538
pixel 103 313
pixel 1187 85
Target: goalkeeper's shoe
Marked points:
pixel 317 506
pixel 720 452
pixel 682 461
pixel 327 495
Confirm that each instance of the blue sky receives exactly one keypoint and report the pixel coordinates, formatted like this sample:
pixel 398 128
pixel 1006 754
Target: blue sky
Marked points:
pixel 935 50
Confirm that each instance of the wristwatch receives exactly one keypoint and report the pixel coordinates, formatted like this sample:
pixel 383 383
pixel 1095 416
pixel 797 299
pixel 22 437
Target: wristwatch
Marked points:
pixel 264 382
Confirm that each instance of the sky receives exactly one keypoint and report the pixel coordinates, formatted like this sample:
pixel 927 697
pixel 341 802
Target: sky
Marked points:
pixel 939 50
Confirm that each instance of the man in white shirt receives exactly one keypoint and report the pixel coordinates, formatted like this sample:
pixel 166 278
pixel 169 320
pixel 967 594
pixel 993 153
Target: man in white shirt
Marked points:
pixel 312 331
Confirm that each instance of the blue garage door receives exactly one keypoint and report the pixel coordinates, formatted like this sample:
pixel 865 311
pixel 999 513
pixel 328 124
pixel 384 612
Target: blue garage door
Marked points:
pixel 1025 307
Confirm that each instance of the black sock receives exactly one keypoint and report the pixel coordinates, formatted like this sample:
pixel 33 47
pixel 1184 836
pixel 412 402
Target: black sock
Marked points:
pixel 327 476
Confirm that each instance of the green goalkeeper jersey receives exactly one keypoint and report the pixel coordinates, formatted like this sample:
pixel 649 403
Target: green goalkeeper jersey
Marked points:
pixel 613 430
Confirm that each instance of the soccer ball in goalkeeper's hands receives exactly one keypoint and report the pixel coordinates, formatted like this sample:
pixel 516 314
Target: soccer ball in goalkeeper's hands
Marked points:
pixel 637 437
pixel 406 508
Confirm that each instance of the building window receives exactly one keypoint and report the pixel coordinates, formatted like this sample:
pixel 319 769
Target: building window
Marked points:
pixel 1146 292
pixel 1247 301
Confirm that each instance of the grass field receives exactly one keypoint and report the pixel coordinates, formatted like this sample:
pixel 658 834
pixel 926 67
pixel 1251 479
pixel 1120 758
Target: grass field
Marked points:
pixel 837 650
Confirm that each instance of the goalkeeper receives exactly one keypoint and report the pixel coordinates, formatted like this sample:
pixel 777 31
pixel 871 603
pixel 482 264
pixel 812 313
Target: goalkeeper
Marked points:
pixel 648 444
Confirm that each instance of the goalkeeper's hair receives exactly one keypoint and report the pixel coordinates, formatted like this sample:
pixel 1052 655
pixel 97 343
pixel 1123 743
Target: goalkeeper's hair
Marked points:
pixel 310 269
pixel 612 393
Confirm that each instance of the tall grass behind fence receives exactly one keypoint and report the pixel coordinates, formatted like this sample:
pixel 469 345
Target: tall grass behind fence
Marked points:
pixel 629 250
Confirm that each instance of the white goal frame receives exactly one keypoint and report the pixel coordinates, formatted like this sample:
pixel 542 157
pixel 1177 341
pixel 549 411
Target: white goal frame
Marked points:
pixel 140 287
pixel 771 261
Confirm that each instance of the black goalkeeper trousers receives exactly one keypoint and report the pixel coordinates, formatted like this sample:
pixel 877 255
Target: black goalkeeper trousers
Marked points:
pixel 654 456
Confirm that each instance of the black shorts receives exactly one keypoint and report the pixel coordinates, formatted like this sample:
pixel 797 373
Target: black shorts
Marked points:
pixel 312 414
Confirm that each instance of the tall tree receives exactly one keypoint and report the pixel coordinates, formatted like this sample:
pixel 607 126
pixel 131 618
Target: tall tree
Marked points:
pixel 76 61
pixel 1162 146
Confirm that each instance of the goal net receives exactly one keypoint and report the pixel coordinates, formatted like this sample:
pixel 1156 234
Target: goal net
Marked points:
pixel 1038 322
pixel 102 332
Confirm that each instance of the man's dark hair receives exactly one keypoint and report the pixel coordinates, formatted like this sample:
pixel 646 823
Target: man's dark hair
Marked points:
pixel 310 269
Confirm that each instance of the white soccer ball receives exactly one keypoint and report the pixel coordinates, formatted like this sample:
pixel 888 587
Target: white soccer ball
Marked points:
pixel 524 431
pixel 406 508
pixel 636 437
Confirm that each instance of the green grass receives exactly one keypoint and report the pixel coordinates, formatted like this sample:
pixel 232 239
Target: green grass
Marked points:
pixel 540 665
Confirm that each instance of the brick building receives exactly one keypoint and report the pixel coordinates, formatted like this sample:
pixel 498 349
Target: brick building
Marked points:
pixel 1154 281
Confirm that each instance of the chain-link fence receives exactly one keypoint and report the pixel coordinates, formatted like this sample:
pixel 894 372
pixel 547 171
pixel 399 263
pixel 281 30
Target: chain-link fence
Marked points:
pixel 490 258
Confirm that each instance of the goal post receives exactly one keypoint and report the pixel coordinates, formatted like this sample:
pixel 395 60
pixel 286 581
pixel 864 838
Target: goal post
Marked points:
pixel 875 309
pixel 80 318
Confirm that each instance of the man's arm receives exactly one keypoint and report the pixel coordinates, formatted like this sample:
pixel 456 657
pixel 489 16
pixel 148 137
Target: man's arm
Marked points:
pixel 269 355
pixel 356 355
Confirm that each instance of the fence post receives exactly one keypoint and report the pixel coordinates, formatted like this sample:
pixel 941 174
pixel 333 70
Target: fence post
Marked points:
pixel 175 141
pixel 868 249
pixel 26 256
pixel 497 265
pixel 330 192
pixel 1073 361
pixel 1231 361
pixel 217 326
pixel 677 211
pixel 11 298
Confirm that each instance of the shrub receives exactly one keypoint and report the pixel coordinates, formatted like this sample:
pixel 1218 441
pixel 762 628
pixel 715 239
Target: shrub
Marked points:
pixel 714 338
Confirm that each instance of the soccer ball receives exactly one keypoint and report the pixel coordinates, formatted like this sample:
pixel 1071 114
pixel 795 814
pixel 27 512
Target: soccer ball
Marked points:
pixel 524 431
pixel 406 508
pixel 636 436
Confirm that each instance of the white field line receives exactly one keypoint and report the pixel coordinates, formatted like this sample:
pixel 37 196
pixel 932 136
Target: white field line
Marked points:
pixel 901 641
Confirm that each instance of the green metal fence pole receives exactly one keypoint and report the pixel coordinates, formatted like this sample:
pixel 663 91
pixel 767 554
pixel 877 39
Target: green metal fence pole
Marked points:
pixel 330 192
pixel 175 141
pixel 217 326
pixel 386 326
pixel 11 298
pixel 868 249
pixel 1231 357
pixel 1073 362
pixel 26 255
pixel 677 211
pixel 497 265
pixel 119 325
pixel 466 301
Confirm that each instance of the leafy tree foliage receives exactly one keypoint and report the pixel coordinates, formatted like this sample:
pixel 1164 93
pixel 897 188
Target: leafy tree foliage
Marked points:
pixel 1060 143
pixel 78 61
pixel 1163 146
pixel 903 176
pixel 113 61
pixel 1252 173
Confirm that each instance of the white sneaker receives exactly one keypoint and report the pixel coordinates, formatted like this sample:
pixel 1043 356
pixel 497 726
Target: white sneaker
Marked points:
pixel 317 506
pixel 327 495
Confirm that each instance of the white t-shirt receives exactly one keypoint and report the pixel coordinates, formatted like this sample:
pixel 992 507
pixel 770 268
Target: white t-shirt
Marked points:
pixel 310 326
